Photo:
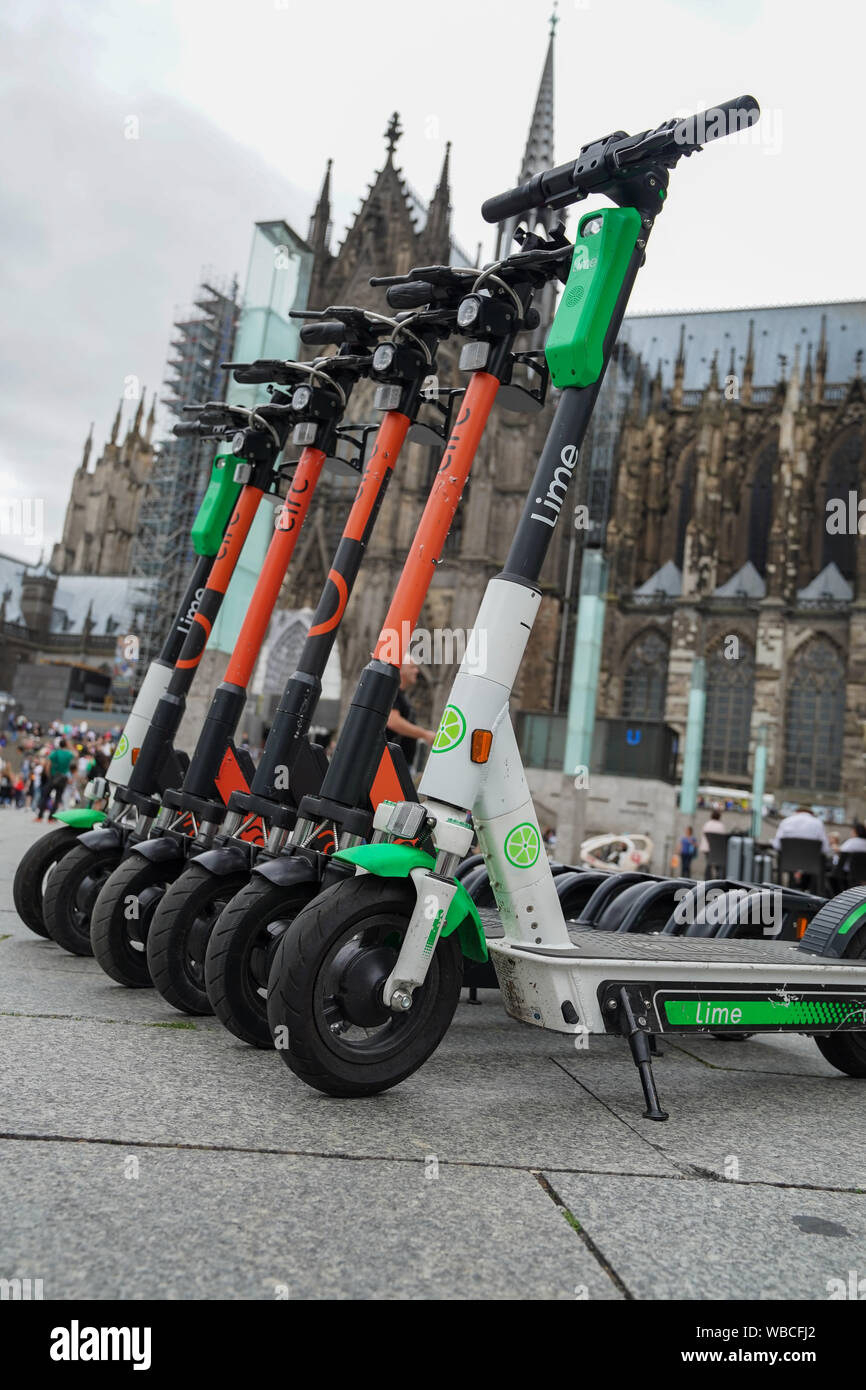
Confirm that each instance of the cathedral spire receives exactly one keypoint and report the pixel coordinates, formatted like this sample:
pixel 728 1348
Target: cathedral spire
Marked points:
pixel 749 367
pixel 136 424
pixel 714 373
pixel 436 237
pixel 115 428
pixel 392 135
pixel 821 361
pixel 88 446
pixel 679 369
pixel 807 376
pixel 319 235
pixel 151 420
pixel 657 389
pixel 538 153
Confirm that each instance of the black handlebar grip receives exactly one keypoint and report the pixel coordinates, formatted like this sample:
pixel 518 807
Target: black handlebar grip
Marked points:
pixel 513 201
pixel 189 430
pixel 409 296
pixel 323 331
pixel 724 119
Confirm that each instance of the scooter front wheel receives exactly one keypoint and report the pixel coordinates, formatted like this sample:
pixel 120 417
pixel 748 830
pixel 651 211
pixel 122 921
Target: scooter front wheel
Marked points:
pixel 32 873
pixel 240 952
pixel 123 913
pixel 325 1007
pixel 180 932
pixel 71 892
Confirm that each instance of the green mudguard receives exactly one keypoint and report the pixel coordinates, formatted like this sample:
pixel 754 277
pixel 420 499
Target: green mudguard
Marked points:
pixel 397 861
pixel 81 818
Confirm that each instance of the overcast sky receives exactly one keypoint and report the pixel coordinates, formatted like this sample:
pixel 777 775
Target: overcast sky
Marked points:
pixel 239 103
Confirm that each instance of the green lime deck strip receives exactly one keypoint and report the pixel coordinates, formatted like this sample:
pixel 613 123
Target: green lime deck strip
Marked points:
pixel 744 1013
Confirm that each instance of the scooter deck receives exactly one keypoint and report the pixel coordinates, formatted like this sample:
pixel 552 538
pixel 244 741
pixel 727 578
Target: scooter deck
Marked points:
pixel 587 944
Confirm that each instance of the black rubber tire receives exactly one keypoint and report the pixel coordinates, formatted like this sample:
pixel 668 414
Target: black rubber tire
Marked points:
pixel 181 928
pixel 846 1051
pixel 119 943
pixel 241 950
pixel 405 1041
pixel 33 868
pixel 71 892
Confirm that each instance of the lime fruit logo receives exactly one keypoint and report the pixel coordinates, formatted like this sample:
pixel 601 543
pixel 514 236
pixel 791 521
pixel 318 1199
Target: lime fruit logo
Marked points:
pixel 122 747
pixel 522 846
pixel 452 727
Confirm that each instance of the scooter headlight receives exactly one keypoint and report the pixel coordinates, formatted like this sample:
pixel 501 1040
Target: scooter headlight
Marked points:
pixel 383 357
pixel 469 311
pixel 301 397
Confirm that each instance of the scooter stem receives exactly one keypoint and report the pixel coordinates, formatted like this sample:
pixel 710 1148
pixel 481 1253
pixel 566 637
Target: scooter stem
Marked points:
pixel 436 519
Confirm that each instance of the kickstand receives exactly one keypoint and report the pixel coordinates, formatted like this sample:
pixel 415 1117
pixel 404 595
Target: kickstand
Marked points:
pixel 641 1051
pixel 473 995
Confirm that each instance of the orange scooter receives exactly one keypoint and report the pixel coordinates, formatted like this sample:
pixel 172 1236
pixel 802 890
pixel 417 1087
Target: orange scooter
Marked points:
pixel 189 816
pixel 495 305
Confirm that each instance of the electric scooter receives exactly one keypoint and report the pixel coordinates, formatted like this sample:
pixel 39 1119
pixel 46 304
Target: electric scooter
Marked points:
pixel 181 925
pixel 495 305
pixel 75 882
pixel 364 985
pixel 190 815
pixel 214 514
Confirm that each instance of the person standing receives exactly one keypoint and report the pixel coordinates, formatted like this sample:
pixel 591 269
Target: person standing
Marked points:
pixel 688 850
pixel 55 778
pixel 400 720
pixel 714 826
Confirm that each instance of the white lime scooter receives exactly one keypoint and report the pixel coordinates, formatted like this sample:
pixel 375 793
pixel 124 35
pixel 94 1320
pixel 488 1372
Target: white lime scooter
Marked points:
pixel 366 980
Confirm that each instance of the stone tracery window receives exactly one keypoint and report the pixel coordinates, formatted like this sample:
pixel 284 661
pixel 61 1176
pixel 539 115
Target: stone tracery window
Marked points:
pixel 730 696
pixel 843 477
pixel 646 677
pixel 815 718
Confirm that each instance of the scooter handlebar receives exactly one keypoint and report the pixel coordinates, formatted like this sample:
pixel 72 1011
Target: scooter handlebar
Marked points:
pixel 412 295
pixel 324 331
pixel 604 159
pixel 191 429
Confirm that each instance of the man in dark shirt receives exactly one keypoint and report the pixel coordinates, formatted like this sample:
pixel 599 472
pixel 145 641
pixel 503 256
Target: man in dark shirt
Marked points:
pixel 400 722
pixel 55 777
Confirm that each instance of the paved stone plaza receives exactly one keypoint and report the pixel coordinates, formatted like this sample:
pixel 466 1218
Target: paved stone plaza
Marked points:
pixel 147 1155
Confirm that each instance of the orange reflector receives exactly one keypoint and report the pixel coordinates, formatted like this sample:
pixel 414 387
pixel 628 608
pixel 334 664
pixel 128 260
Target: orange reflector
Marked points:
pixel 800 927
pixel 134 755
pixel 482 740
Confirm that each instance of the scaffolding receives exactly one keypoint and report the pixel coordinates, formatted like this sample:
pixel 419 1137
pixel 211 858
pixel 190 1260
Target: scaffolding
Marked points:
pixel 202 338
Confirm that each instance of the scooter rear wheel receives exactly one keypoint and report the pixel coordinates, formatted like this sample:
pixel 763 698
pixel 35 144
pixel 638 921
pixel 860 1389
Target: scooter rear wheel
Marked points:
pixel 123 913
pixel 325 1006
pixel 71 892
pixel 31 875
pixel 180 931
pixel 241 950
pixel 846 1051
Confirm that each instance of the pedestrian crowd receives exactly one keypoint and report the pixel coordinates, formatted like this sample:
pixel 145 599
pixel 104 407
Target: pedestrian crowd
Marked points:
pixel 43 769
